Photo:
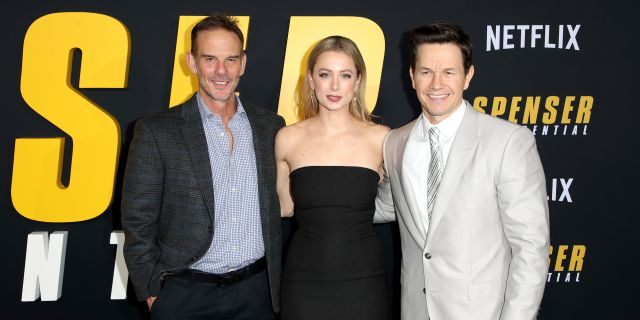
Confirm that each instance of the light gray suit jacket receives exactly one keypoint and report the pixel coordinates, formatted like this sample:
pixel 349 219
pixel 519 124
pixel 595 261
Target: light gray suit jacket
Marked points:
pixel 167 195
pixel 485 254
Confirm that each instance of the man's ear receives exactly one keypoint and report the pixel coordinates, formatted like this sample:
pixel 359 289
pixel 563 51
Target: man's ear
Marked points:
pixel 191 62
pixel 468 76
pixel 413 83
pixel 243 59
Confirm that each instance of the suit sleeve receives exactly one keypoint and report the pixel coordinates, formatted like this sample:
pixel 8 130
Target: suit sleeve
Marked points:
pixel 524 210
pixel 385 211
pixel 280 123
pixel 141 204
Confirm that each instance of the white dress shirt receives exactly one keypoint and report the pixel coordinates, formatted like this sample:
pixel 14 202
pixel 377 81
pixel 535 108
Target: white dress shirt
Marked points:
pixel 417 155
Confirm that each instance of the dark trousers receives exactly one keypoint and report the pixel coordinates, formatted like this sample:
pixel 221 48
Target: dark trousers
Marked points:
pixel 188 299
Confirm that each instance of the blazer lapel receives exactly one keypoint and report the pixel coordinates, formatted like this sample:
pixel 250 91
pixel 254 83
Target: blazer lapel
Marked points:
pixel 402 145
pixel 409 196
pixel 459 158
pixel 259 131
pixel 196 142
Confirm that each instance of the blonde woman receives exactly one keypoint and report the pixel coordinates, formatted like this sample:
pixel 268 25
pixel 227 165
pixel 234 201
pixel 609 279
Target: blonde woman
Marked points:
pixel 328 168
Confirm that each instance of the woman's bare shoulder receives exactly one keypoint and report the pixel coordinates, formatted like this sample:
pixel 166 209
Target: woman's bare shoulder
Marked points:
pixel 292 134
pixel 377 131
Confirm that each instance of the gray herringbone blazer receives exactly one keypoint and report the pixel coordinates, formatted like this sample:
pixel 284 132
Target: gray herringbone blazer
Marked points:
pixel 167 195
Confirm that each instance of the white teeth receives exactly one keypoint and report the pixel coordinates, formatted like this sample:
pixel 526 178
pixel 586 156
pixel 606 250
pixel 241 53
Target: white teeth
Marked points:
pixel 437 96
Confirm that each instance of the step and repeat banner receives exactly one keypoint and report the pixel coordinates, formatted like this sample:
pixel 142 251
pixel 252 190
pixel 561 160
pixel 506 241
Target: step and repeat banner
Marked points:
pixel 76 75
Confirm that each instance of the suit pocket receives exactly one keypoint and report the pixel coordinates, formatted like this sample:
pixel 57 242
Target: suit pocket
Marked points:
pixel 487 290
pixel 156 303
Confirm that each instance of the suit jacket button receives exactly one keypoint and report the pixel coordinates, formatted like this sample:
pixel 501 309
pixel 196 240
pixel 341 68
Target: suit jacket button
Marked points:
pixel 194 258
pixel 424 290
pixel 427 255
pixel 210 229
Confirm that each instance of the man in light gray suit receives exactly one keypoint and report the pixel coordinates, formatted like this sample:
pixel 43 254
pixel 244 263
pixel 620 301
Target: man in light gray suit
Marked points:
pixel 468 192
pixel 199 206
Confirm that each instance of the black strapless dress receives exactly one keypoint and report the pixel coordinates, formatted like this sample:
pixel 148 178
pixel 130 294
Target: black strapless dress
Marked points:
pixel 334 267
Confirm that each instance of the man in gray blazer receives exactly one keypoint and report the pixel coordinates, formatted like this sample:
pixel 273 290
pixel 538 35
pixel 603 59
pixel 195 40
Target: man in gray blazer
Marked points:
pixel 468 191
pixel 199 206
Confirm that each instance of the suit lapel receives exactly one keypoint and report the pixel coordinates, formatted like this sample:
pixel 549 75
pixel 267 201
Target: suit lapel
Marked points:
pixel 259 132
pixel 459 158
pixel 196 142
pixel 409 195
pixel 402 145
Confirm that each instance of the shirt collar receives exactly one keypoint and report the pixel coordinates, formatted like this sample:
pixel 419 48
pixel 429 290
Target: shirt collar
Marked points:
pixel 448 127
pixel 206 113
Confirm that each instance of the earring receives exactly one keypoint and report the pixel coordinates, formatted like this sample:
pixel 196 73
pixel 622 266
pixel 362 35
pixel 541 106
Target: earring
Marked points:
pixel 312 96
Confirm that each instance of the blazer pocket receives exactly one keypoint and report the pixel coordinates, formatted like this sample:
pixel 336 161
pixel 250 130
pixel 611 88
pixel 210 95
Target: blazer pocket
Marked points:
pixel 156 303
pixel 487 290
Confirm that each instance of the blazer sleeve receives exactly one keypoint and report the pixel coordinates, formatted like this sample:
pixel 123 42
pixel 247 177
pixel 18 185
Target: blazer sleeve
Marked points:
pixel 141 203
pixel 385 211
pixel 524 211
pixel 280 123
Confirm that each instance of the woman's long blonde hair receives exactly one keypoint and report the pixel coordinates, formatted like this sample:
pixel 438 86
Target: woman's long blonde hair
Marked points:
pixel 306 98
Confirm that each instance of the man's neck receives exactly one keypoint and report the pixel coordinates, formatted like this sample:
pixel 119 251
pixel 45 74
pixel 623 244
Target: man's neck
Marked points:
pixel 224 109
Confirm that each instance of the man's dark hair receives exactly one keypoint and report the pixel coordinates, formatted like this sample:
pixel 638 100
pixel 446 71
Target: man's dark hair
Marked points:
pixel 441 33
pixel 214 22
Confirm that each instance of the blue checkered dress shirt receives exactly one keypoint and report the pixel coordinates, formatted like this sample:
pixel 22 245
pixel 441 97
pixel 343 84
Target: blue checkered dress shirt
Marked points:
pixel 237 237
